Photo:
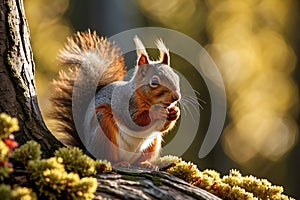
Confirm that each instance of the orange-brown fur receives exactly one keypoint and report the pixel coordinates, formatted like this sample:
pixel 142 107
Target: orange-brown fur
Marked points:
pixel 110 130
pixel 142 117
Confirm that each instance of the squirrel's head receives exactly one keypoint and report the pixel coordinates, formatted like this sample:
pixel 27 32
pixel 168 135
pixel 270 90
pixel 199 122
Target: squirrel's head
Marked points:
pixel 156 80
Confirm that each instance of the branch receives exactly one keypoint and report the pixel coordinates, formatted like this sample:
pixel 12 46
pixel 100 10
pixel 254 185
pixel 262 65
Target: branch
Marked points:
pixel 135 184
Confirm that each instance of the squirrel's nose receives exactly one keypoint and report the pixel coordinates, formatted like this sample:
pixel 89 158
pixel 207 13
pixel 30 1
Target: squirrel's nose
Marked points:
pixel 176 96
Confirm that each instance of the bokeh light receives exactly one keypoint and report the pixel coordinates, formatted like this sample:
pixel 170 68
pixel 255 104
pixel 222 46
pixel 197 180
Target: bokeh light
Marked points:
pixel 248 44
pixel 177 14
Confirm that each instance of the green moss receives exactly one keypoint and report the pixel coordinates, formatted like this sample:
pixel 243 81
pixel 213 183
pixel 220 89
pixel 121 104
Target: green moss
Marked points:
pixel 211 173
pixel 232 186
pixel 59 177
pixel 75 161
pixel 4 172
pixel 4 155
pixel 261 188
pixel 24 193
pixel 54 182
pixel 6 192
pixel 28 151
pixel 240 193
pixel 103 166
pixel 4 151
pixel 8 125
pixel 17 193
pixel 184 170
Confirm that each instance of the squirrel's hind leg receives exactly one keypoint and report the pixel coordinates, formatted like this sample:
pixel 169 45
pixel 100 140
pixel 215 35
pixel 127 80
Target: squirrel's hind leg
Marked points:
pixel 108 126
pixel 150 154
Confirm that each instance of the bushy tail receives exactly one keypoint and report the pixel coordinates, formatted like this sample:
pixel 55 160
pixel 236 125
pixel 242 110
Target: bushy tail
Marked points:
pixel 91 52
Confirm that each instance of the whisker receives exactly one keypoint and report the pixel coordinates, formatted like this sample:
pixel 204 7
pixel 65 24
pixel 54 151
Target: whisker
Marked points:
pixel 182 105
pixel 191 102
pixel 198 93
pixel 186 108
pixel 199 99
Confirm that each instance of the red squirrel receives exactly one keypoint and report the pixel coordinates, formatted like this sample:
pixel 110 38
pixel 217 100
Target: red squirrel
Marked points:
pixel 132 115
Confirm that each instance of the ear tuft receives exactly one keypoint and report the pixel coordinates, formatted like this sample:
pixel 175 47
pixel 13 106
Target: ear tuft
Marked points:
pixel 164 52
pixel 141 52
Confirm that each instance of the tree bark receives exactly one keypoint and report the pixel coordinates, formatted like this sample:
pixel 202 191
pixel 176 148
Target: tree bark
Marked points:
pixel 17 88
pixel 18 99
pixel 147 185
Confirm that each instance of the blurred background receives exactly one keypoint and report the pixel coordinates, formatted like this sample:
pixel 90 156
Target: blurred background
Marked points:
pixel 255 44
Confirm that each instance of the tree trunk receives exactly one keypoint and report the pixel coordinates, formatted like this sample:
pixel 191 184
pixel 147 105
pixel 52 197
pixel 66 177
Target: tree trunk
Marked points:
pixel 17 88
pixel 18 99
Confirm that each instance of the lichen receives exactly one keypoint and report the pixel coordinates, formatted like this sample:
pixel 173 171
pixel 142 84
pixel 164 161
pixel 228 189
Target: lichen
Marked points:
pixel 185 170
pixel 24 193
pixel 7 143
pixel 8 125
pixel 103 166
pixel 67 175
pixel 211 173
pixel 75 161
pixel 232 186
pixel 31 150
pixel 4 151
pixel 4 172
pixel 54 182
pixel 64 176
pixel 17 193
pixel 261 188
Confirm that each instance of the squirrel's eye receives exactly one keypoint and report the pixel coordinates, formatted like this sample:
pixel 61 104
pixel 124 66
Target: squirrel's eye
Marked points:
pixel 154 81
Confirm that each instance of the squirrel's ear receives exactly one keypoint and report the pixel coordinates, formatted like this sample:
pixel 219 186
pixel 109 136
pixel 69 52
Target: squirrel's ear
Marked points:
pixel 164 52
pixel 142 60
pixel 141 52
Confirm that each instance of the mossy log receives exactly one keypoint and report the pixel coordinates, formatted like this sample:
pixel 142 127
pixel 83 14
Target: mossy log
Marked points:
pixel 138 185
pixel 135 184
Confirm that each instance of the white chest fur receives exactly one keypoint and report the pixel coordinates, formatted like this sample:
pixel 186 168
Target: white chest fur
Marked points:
pixel 133 144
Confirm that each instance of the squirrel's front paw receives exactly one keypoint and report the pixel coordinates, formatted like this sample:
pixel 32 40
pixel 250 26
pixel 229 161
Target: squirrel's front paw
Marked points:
pixel 173 113
pixel 158 113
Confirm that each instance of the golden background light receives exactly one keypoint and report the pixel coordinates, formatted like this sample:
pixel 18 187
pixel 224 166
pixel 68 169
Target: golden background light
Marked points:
pixel 248 44
pixel 177 14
